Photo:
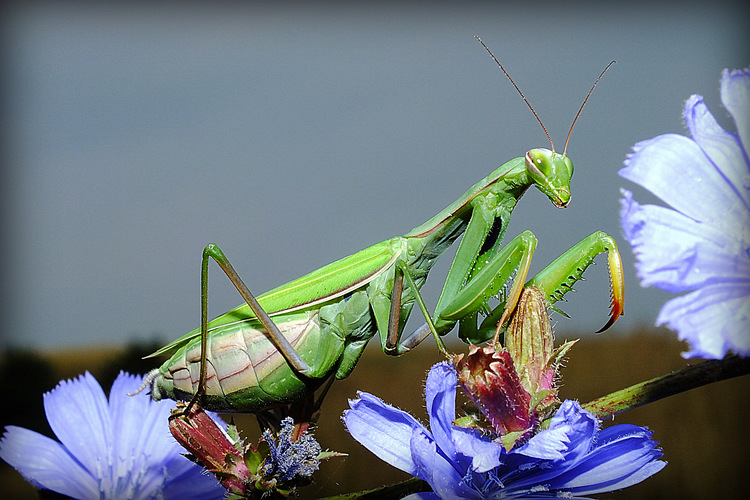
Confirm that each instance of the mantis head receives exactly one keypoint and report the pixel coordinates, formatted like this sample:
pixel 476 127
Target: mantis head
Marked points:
pixel 551 173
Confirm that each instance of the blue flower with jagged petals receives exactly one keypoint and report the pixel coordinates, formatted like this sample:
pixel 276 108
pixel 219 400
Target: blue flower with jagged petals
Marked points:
pixel 702 244
pixel 119 448
pixel 571 458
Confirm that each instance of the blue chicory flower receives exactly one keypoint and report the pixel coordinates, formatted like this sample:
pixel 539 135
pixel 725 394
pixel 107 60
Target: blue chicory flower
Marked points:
pixel 116 449
pixel 572 457
pixel 702 244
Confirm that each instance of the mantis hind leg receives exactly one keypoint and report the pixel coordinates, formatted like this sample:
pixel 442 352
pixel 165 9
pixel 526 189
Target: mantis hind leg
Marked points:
pixel 274 334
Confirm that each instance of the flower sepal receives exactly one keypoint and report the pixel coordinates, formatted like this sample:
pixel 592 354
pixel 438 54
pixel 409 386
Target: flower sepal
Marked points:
pixel 510 439
pixel 473 420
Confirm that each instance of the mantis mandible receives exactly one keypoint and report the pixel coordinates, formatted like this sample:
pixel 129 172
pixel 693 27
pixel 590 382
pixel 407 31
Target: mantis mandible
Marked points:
pixel 280 347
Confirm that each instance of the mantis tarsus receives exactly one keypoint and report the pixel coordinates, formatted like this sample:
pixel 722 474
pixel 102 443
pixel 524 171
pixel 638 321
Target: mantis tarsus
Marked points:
pixel 280 348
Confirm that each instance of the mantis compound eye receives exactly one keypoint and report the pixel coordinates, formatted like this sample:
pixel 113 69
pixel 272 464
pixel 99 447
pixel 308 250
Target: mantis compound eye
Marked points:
pixel 568 165
pixel 535 164
pixel 544 163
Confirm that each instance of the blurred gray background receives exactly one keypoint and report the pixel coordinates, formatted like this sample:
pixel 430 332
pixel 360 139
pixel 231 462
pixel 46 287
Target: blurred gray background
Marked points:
pixel 292 136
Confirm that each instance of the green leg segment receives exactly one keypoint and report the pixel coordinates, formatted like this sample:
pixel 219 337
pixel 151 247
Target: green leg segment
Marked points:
pixel 558 278
pixel 488 279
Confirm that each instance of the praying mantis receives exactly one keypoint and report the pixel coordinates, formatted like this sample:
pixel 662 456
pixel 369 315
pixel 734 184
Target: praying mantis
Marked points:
pixel 283 345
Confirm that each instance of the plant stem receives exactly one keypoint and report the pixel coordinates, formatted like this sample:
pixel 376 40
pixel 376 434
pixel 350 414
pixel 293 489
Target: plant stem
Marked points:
pixel 391 492
pixel 690 377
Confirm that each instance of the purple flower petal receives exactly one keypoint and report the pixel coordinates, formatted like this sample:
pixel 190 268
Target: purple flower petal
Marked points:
pixel 556 462
pixel 550 445
pixel 445 478
pixel 704 244
pixel 78 414
pixel 483 452
pixel 704 193
pixel 623 458
pixel 52 466
pixel 676 253
pixel 440 395
pixel 735 95
pixel 143 439
pixel 571 431
pixel 721 310
pixel 725 152
pixel 384 430
pixel 116 449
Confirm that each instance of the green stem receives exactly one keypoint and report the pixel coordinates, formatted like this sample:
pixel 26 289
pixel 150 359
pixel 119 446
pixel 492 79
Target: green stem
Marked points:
pixel 690 377
pixel 391 492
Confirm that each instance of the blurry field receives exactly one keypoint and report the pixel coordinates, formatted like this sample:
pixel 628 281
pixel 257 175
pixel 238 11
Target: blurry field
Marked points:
pixel 703 433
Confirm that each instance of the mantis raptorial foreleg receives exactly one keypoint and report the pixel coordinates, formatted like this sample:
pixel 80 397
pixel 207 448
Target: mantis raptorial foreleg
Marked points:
pixel 489 277
pixel 554 281
pixel 557 279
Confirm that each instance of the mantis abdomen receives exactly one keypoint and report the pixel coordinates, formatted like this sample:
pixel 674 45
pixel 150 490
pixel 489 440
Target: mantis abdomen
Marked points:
pixel 245 371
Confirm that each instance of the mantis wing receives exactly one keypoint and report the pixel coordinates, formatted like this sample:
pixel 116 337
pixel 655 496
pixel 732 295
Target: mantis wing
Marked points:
pixel 322 285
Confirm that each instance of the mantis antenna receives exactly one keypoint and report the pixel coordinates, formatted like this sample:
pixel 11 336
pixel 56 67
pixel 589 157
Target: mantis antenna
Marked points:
pixel 518 90
pixel 567 139
pixel 565 149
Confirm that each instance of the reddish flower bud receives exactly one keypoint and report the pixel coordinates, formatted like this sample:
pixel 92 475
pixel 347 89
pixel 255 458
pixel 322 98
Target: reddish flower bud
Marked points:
pixel 490 379
pixel 514 386
pixel 211 448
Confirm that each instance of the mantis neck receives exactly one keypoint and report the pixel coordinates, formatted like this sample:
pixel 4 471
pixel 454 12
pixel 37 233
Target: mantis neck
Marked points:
pixel 502 188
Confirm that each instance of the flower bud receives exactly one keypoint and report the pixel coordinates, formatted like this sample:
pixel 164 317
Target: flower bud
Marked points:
pixel 490 379
pixel 211 448
pixel 530 343
pixel 515 385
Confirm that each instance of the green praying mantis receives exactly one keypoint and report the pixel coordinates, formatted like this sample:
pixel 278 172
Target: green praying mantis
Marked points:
pixel 283 345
